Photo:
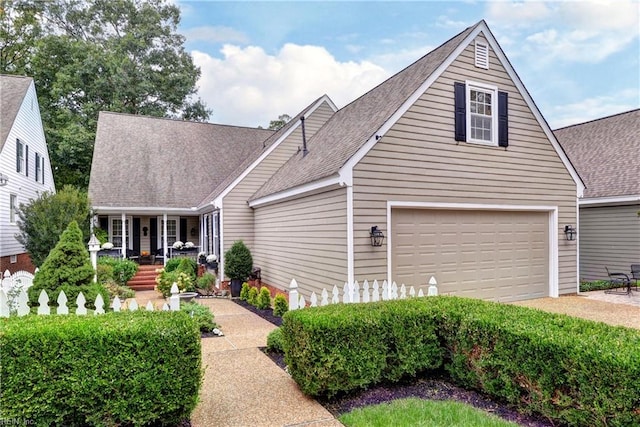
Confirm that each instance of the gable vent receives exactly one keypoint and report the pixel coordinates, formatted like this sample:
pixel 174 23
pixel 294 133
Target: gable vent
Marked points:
pixel 482 55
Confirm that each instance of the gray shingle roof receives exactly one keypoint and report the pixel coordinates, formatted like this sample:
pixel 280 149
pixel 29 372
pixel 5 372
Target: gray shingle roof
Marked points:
pixel 149 162
pixel 606 153
pixel 350 128
pixel 12 92
pixel 250 159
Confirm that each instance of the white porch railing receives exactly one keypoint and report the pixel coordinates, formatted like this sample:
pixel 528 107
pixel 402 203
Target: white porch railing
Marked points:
pixel 354 293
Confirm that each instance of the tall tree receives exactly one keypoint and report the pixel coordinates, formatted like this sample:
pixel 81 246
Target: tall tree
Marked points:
pixel 114 55
pixel 19 30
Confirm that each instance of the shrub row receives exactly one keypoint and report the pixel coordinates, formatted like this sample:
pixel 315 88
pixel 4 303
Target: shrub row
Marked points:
pixel 571 370
pixel 131 368
pixel 262 299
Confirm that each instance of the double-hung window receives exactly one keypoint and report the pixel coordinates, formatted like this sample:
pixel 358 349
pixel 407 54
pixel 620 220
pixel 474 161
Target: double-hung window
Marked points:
pixel 116 232
pixel 13 206
pixel 481 114
pixel 38 165
pixel 20 157
pixel 482 120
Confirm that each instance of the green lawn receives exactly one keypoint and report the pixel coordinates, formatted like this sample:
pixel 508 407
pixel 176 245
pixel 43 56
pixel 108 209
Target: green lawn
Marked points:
pixel 417 412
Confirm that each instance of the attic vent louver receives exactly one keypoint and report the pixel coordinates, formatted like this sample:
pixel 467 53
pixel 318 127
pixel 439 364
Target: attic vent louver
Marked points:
pixel 482 55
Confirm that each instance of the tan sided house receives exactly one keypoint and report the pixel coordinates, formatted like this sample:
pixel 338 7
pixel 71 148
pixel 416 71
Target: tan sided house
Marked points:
pixel 606 153
pixel 450 159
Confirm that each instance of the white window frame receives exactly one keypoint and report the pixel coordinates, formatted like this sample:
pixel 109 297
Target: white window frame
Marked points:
pixel 13 206
pixel 20 161
pixel 38 168
pixel 161 231
pixel 129 225
pixel 493 90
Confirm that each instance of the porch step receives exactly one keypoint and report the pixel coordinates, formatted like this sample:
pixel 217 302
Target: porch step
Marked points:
pixel 145 278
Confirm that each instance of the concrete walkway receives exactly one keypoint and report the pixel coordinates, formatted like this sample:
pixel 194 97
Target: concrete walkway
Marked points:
pixel 242 386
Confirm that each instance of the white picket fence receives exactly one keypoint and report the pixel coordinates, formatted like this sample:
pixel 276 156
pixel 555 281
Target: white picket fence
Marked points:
pixel 354 293
pixel 18 304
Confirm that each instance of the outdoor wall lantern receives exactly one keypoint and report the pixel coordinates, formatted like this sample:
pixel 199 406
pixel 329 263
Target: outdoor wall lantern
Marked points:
pixel 376 236
pixel 3 180
pixel 570 232
pixel 145 230
pixel 193 231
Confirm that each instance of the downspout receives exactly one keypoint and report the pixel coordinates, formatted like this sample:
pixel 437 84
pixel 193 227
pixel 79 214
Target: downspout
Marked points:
pixel 304 138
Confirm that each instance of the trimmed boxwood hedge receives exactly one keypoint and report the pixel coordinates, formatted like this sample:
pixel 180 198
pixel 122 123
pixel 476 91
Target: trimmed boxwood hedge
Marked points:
pixel 129 368
pixel 573 371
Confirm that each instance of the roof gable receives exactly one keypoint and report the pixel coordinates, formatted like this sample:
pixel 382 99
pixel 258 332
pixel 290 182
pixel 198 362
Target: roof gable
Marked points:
pixel 13 89
pixel 355 129
pixel 269 145
pixel 605 152
pixel 147 162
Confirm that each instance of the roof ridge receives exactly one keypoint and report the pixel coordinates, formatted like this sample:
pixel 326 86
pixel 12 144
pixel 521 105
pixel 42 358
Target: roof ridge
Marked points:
pixel 171 119
pixel 598 119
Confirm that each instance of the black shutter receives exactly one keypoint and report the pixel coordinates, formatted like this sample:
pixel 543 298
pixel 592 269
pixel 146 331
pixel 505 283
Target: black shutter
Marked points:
pixel 503 119
pixel 18 153
pixel 26 160
pixel 183 230
pixel 460 112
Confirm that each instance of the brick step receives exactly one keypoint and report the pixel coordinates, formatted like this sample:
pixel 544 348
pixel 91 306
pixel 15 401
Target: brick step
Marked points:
pixel 145 278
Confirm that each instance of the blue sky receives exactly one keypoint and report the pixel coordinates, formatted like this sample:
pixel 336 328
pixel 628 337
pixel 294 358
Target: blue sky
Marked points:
pixel 580 60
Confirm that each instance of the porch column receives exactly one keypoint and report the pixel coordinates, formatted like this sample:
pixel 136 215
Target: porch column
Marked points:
pixel 164 237
pixel 124 235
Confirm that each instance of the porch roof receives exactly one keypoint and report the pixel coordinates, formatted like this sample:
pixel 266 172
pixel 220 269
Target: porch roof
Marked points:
pixel 154 164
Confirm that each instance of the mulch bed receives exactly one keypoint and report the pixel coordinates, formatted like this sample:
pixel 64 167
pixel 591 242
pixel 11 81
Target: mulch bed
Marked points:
pixel 436 386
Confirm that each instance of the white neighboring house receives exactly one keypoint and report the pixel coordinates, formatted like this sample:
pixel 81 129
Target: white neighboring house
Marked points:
pixel 25 169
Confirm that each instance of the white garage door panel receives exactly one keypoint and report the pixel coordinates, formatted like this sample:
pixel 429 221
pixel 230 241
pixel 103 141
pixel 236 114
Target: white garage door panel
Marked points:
pixel 498 255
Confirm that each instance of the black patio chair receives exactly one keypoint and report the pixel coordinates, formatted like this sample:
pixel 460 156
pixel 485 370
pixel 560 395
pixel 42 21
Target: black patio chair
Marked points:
pixel 618 281
pixel 635 274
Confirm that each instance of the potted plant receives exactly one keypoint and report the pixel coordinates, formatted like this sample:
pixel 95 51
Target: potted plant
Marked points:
pixel 238 264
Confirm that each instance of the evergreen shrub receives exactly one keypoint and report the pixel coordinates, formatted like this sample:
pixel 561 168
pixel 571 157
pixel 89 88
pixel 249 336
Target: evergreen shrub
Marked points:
pixel 280 305
pixel 129 368
pixel 569 370
pixel 244 291
pixel 274 341
pixel 253 297
pixel 201 314
pixel 264 298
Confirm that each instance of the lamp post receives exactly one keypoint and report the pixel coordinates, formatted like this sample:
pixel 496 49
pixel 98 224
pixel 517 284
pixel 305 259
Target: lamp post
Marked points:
pixel 94 247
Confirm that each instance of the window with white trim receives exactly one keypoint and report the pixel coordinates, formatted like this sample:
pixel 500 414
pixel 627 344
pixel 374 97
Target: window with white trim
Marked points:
pixel 115 232
pixel 13 206
pixel 20 157
pixel 172 231
pixel 482 113
pixel 38 166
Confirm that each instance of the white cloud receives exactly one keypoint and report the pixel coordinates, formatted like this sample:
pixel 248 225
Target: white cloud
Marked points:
pixel 249 87
pixel 577 31
pixel 593 108
pixel 516 14
pixel 217 34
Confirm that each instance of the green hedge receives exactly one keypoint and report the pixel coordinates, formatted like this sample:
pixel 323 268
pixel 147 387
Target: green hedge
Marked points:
pixel 344 347
pixel 573 371
pixel 130 368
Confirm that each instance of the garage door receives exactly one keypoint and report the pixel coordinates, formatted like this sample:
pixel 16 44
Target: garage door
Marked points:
pixel 496 255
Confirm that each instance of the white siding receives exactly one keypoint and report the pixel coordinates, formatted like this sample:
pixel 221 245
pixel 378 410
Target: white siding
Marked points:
pixel 28 128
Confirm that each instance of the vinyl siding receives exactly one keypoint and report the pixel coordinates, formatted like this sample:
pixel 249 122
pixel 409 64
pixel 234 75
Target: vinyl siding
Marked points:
pixel 419 160
pixel 609 237
pixel 238 216
pixel 28 128
pixel 303 239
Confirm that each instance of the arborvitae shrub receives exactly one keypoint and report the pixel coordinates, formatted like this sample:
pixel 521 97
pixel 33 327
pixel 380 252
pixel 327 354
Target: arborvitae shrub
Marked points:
pixel 253 296
pixel 244 292
pixel 68 264
pixel 264 299
pixel 274 341
pixel 238 261
pixel 280 305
